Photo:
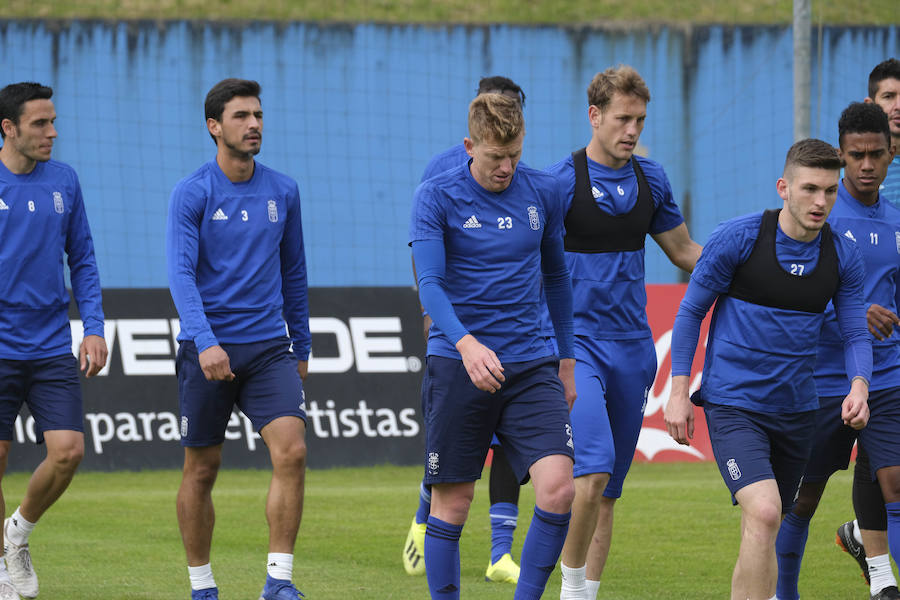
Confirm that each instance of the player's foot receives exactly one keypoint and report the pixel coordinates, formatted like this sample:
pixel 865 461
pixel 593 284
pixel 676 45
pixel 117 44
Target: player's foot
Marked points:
pixel 504 570
pixel 888 593
pixel 414 549
pixel 7 591
pixel 205 594
pixel 18 563
pixel 845 540
pixel 279 589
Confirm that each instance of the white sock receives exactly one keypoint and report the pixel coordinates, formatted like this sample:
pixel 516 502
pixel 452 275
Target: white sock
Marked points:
pixel 573 584
pixel 19 529
pixel 201 577
pixel 880 572
pixel 280 566
pixel 856 534
pixel 593 588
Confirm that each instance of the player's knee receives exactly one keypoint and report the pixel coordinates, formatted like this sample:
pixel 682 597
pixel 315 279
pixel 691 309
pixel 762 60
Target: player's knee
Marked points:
pixel 556 497
pixel 202 472
pixel 592 486
pixel 291 455
pixel 765 517
pixel 890 484
pixel 66 458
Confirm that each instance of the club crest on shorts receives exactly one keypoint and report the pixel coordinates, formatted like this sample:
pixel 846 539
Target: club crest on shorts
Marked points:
pixel 58 205
pixel 569 443
pixel 533 218
pixel 733 469
pixel 434 463
pixel 897 237
pixel 184 425
pixel 273 211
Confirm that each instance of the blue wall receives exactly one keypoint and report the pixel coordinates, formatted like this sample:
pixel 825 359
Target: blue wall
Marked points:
pixel 353 112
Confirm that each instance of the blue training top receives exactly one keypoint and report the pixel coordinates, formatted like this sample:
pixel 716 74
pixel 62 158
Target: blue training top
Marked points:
pixel 236 264
pixel 448 159
pixel 478 258
pixel 42 217
pixel 876 231
pixel 608 290
pixel 761 358
pixel 890 187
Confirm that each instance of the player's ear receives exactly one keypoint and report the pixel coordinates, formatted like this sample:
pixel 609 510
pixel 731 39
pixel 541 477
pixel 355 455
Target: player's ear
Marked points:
pixel 214 127
pixel 470 146
pixel 782 187
pixel 594 115
pixel 9 128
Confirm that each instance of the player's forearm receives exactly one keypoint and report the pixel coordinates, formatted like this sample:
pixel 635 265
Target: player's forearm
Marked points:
pixel 685 333
pixel 429 257
pixel 558 292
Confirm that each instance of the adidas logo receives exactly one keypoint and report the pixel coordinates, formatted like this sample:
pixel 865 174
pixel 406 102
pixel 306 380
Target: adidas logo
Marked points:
pixel 3 205
pixel 472 223
pixel 596 193
pixel 219 215
pixel 849 234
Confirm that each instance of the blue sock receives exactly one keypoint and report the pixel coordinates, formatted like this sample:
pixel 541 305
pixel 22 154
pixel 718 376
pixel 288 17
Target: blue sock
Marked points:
pixel 543 544
pixel 424 504
pixel 893 528
pixel 442 559
pixel 504 516
pixel 789 547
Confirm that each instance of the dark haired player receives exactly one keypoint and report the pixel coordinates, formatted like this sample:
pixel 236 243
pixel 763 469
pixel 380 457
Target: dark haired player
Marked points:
pixel 237 273
pixel 42 219
pixel 771 275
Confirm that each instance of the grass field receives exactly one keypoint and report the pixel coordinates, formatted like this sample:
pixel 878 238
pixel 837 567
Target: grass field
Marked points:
pixel 114 536
pixel 874 12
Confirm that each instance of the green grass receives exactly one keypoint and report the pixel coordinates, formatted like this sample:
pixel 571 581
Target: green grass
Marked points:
pixel 582 12
pixel 114 535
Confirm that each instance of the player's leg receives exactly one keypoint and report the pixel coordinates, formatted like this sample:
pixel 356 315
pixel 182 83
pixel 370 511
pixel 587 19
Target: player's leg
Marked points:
pixel 832 446
pixel 594 462
pixel 535 431
pixel 755 571
pixel 414 546
pixel 459 421
pixel 865 538
pixel 13 388
pixel 205 407
pixel 627 388
pixel 54 398
pixel 504 514
pixel 7 590
pixel 271 396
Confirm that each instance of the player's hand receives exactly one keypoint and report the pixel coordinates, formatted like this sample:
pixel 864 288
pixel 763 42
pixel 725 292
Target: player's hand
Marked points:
pixel 567 376
pixel 92 354
pixel 303 369
pixel 481 364
pixel 881 321
pixel 679 412
pixel 215 364
pixel 855 408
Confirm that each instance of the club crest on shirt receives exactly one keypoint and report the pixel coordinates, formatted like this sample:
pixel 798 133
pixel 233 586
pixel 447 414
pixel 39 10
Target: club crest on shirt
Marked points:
pixel 58 205
pixel 533 218
pixel 273 211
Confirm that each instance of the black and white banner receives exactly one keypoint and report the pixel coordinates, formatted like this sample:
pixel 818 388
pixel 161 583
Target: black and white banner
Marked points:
pixel 362 392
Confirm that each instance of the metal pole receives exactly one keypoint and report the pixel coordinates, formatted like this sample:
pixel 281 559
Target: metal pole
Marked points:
pixel 802 68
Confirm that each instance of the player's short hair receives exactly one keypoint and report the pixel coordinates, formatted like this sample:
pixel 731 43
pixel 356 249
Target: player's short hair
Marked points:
pixel 495 118
pixel 498 85
pixel 813 153
pixel 14 96
pixel 622 79
pixel 225 90
pixel 861 117
pixel 887 69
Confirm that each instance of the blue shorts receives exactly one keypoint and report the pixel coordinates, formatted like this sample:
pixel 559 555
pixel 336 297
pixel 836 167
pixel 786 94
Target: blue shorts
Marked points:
pixel 834 440
pixel 612 378
pixel 266 386
pixel 529 415
pixel 752 446
pixel 51 389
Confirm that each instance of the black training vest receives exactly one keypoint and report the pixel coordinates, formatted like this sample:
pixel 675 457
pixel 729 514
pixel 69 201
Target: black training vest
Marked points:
pixel 761 280
pixel 590 229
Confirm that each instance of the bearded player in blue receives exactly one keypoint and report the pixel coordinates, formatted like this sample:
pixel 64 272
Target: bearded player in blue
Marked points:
pixel 613 200
pixel 862 215
pixel 42 220
pixel 504 486
pixel 771 276
pixel 237 273
pixel 481 236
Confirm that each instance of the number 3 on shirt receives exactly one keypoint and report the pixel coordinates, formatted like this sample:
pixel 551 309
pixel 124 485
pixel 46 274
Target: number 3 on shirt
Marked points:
pixel 504 222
